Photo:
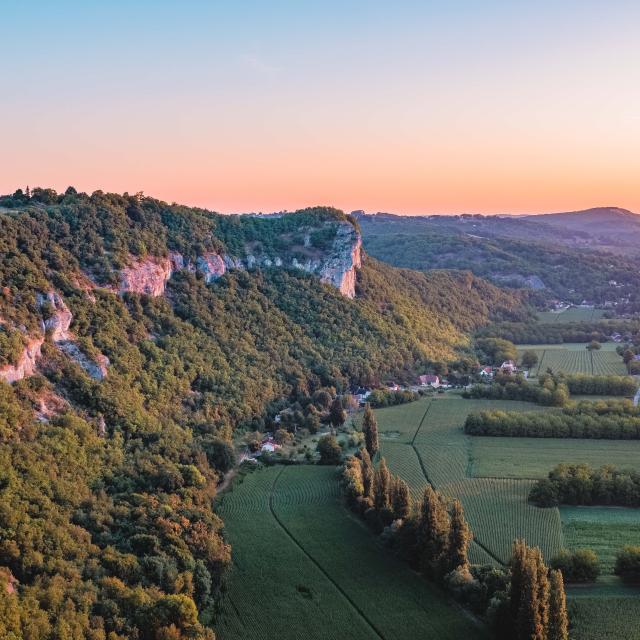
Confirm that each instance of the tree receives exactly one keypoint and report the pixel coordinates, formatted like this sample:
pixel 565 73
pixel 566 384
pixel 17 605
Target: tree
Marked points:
pixel 337 414
pixel 367 473
pixel 330 451
pixel 558 628
pixel 352 478
pixel 528 622
pixel 628 564
pixel 459 537
pixel 594 345
pixel 518 566
pixel 381 485
pixel 432 533
pixel 370 430
pixel 529 359
pixel 580 566
pixel 542 585
pixel 400 499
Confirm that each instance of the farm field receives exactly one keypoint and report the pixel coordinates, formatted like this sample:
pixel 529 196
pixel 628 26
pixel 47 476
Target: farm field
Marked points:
pixel 603 529
pixel 304 567
pixel 497 507
pixel 572 314
pixel 503 457
pixel 575 358
pixel 608 618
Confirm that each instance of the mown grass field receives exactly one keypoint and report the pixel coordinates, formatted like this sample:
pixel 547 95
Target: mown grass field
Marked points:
pixel 305 567
pixel 573 314
pixel 604 529
pixel 575 358
pixel 496 457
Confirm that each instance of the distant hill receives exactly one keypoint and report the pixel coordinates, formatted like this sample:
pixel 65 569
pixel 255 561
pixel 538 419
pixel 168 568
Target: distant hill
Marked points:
pixel 592 255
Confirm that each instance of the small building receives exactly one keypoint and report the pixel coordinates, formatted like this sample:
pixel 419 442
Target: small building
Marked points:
pixel 508 367
pixel 269 445
pixel 486 372
pixel 428 380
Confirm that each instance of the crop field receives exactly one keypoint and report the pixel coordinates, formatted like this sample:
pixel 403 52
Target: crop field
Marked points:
pixel 608 618
pixel 604 529
pixel 496 508
pixel 573 314
pixel 576 358
pixel 498 457
pixel 305 567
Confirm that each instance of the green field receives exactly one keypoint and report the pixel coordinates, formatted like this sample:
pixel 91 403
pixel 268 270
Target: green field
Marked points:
pixel 604 618
pixel 305 567
pixel 575 358
pixel 604 529
pixel 434 446
pixel 498 457
pixel 572 314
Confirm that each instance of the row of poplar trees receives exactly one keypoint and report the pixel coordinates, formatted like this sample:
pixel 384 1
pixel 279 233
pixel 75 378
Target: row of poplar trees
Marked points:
pixel 537 601
pixel 437 538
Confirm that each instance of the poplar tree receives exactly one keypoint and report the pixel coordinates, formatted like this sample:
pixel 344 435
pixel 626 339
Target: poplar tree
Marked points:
pixel 558 628
pixel 381 486
pixel 518 568
pixel 370 430
pixel 367 473
pixel 542 573
pixel 459 538
pixel 432 532
pixel 400 499
pixel 528 623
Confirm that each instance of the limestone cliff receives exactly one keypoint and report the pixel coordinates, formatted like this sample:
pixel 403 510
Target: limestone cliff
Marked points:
pixel 26 364
pixel 146 275
pixel 56 322
pixel 336 265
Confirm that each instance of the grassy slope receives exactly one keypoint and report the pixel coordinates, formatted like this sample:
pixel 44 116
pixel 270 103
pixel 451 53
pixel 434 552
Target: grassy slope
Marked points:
pixel 314 571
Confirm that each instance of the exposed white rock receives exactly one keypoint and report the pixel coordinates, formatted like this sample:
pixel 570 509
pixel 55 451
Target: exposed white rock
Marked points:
pixel 26 365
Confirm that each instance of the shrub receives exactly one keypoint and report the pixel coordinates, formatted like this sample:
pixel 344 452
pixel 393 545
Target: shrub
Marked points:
pixel 628 564
pixel 577 566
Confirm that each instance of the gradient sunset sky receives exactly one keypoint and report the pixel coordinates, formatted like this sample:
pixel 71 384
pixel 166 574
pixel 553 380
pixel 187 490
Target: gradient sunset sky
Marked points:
pixel 409 107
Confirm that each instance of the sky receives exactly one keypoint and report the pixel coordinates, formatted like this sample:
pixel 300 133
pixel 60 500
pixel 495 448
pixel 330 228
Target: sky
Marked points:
pixel 409 107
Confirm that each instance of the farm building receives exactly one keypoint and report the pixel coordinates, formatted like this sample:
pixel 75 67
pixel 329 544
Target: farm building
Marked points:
pixel 508 367
pixel 430 381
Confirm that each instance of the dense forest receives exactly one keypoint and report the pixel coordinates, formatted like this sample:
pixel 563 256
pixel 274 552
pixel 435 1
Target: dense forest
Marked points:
pixel 517 253
pixel 106 484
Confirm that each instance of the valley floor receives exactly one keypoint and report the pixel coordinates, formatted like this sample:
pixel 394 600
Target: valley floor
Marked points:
pixel 305 567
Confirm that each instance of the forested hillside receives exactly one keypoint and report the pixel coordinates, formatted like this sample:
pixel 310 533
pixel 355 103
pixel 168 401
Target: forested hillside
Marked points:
pixel 138 336
pixel 556 262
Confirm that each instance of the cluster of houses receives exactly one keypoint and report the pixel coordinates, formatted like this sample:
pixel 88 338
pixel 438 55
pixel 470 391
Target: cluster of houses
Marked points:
pixel 507 368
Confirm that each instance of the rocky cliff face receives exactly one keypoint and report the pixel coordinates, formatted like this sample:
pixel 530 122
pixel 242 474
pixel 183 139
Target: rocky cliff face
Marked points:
pixel 146 275
pixel 26 365
pixel 336 266
pixel 56 323
pixel 58 318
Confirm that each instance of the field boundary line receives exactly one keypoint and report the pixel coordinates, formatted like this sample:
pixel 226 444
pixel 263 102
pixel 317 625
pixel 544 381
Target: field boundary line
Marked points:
pixel 475 539
pixel 424 415
pixel 315 562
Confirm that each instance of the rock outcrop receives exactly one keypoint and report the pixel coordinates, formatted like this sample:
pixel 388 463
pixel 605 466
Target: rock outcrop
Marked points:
pixel 56 325
pixel 336 266
pixel 146 275
pixel 96 368
pixel 26 365
pixel 58 316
